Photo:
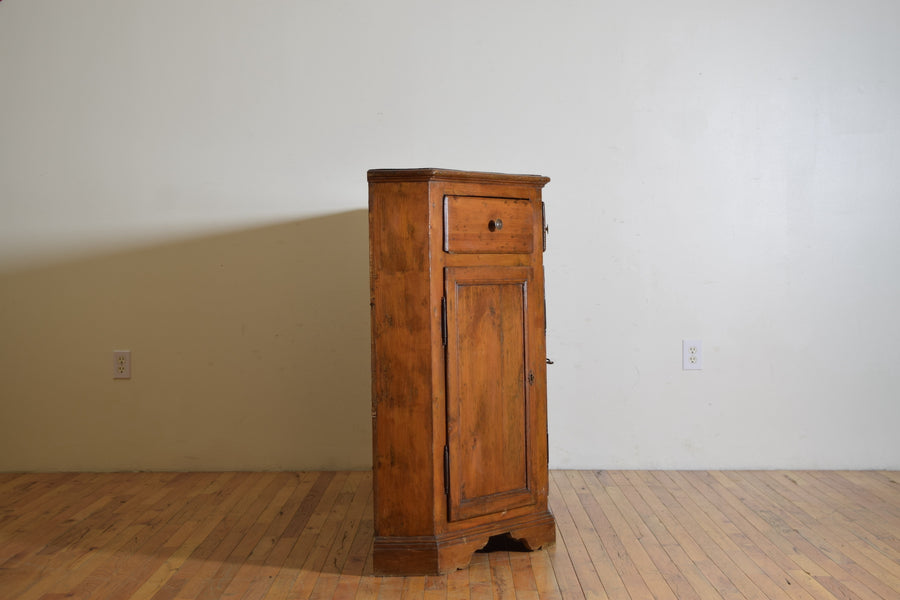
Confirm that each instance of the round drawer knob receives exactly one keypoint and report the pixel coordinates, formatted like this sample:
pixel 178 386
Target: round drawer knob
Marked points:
pixel 495 224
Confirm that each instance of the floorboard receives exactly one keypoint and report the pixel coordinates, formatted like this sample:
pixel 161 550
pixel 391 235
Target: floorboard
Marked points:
pixel 621 535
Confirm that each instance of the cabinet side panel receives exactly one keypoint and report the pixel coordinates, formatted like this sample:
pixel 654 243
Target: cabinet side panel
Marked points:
pixel 403 462
pixel 538 360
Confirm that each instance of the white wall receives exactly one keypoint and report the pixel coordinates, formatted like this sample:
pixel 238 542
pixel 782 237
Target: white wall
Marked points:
pixel 720 170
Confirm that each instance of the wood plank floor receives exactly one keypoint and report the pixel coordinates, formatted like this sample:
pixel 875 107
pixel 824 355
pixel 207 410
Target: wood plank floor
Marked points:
pixel 731 535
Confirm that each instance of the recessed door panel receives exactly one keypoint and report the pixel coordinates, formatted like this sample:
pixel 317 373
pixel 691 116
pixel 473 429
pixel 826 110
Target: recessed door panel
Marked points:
pixel 488 389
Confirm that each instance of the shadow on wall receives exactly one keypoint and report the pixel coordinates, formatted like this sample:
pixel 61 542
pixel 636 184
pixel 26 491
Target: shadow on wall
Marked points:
pixel 250 352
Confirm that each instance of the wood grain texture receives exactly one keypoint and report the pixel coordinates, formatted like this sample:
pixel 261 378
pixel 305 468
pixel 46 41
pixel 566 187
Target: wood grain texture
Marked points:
pixel 804 535
pixel 479 225
pixel 486 389
pixel 452 175
pixel 458 366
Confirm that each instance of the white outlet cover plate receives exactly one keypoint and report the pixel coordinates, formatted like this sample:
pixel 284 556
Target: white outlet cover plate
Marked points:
pixel 691 355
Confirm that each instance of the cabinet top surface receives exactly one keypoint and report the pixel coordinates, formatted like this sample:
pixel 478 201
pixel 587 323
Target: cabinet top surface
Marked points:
pixel 395 175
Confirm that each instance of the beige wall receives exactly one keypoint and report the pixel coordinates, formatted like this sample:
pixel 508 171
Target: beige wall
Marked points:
pixel 187 180
pixel 249 348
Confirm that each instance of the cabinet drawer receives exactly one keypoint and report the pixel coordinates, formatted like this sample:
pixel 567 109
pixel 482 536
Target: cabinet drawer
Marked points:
pixel 474 224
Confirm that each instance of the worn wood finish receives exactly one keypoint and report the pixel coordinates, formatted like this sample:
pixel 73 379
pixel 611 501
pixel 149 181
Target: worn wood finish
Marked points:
pixel 801 535
pixel 487 362
pixel 458 366
pixel 488 225
pixel 453 176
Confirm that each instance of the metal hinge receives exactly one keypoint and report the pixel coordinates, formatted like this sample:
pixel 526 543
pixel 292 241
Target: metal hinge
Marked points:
pixel 444 320
pixel 544 228
pixel 446 469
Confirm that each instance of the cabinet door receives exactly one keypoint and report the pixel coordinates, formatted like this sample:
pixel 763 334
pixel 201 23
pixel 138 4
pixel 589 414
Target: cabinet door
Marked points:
pixel 490 379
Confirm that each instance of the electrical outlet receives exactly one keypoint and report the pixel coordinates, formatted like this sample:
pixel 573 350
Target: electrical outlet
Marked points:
pixel 691 355
pixel 121 364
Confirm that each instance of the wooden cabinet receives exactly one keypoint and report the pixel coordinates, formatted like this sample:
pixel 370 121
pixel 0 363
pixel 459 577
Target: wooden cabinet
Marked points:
pixel 459 409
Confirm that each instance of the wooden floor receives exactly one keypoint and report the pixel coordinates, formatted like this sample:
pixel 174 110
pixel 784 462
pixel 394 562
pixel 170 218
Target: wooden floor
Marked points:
pixel 633 535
